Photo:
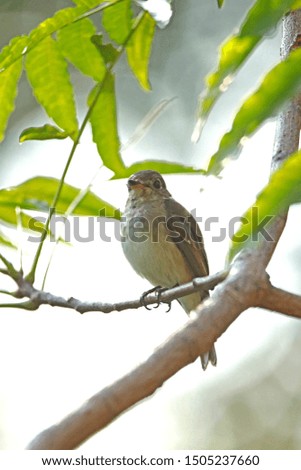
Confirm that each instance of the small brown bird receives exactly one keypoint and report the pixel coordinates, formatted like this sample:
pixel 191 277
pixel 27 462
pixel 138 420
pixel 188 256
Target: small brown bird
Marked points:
pixel 162 240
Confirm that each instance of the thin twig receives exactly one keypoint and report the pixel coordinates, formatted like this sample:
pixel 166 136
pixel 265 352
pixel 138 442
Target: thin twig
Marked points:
pixel 39 297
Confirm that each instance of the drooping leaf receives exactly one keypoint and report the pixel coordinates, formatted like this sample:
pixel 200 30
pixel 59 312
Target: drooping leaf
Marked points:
pixel 282 190
pixel 37 194
pixel 116 21
pixel 48 75
pixel 75 44
pixel 157 165
pixel 61 18
pixel 8 216
pixel 8 92
pixel 4 240
pixel 139 48
pixel 280 84
pixel 103 121
pixel 45 132
pixel 107 51
pixel 261 19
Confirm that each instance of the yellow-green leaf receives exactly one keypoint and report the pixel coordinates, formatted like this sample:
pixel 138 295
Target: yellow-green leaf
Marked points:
pixel 296 4
pixel 103 120
pixel 22 44
pixel 4 240
pixel 282 190
pixel 75 44
pixel 117 21
pixel 45 132
pixel 8 92
pixel 157 165
pixel 279 85
pixel 139 49
pixel 48 75
pixel 261 20
pixel 107 51
pixel 38 193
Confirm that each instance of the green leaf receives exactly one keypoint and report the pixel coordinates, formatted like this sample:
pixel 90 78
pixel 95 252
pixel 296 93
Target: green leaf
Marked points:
pixel 48 75
pixel 8 216
pixel 103 120
pixel 13 52
pixel 45 132
pixel 282 190
pixel 38 193
pixel 279 85
pixel 116 21
pixel 22 44
pixel 8 92
pixel 296 4
pixel 107 51
pixel 139 49
pixel 4 240
pixel 75 44
pixel 220 3
pixel 261 20
pixel 157 165
pixel 86 3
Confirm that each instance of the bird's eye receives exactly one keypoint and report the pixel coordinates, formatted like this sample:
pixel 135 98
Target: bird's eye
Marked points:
pixel 157 184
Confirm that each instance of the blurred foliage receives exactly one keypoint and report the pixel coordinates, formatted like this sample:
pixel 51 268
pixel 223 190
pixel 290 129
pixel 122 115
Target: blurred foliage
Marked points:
pixel 280 84
pixel 282 191
pixel 37 194
pixel 259 22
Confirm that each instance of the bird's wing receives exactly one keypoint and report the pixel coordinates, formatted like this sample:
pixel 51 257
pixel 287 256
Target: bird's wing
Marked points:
pixel 187 236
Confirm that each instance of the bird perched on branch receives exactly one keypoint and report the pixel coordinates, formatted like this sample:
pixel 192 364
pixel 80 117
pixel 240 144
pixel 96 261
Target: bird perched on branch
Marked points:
pixel 162 240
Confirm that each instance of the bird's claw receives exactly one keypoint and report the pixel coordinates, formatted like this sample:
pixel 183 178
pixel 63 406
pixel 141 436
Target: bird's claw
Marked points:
pixel 158 290
pixel 145 294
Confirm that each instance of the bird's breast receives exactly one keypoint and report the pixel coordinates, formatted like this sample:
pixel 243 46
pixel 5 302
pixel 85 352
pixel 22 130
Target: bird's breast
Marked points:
pixel 147 248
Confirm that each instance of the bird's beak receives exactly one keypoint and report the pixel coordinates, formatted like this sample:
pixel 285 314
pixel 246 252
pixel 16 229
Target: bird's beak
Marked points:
pixel 134 184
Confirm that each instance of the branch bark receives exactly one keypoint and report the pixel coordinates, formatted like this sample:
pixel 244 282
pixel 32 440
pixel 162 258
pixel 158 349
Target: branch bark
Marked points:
pixel 36 297
pixel 246 285
pixel 281 301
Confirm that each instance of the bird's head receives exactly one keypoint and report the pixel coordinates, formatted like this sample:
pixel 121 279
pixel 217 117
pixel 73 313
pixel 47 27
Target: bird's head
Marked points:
pixel 148 184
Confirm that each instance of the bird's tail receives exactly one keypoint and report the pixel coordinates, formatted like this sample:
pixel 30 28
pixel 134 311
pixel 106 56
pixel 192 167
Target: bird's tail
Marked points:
pixel 209 357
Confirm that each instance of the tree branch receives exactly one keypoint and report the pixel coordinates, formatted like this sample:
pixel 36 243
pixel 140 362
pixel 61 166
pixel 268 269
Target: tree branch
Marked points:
pixel 281 301
pixel 38 297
